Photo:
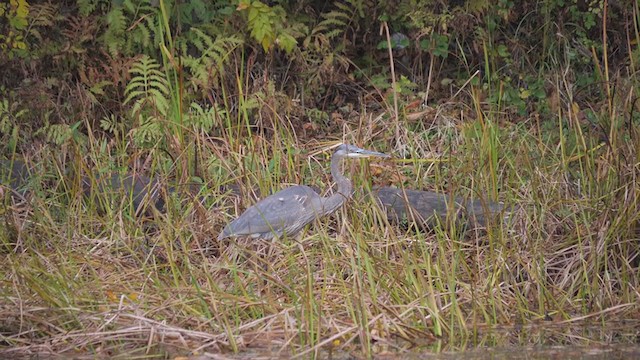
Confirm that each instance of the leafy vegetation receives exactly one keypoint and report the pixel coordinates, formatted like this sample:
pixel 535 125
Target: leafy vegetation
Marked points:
pixel 534 104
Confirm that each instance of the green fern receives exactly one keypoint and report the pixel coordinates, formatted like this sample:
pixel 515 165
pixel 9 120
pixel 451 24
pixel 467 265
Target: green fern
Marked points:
pixel 132 27
pixel 337 21
pixel 148 92
pixel 322 48
pixel 148 89
pixel 150 132
pixel 203 118
pixel 214 54
pixel 86 7
pixel 116 26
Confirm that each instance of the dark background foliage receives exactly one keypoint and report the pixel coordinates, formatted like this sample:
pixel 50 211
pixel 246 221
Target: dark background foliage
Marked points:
pixel 69 62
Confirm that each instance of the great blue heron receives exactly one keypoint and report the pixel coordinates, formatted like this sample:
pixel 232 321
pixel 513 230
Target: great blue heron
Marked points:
pixel 141 190
pixel 423 208
pixel 289 210
pixel 15 174
pixel 414 207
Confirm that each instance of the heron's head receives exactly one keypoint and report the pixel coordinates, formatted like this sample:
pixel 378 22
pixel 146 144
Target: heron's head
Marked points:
pixel 350 151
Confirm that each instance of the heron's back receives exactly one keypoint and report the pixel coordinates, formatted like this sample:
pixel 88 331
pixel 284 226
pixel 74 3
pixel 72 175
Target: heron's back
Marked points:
pixel 285 212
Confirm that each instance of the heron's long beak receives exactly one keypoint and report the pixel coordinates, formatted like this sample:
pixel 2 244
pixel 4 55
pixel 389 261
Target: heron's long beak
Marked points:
pixel 356 152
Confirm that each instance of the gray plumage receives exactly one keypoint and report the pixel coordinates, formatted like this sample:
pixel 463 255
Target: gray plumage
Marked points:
pixel 288 211
pixel 424 208
pixel 16 175
pixel 140 189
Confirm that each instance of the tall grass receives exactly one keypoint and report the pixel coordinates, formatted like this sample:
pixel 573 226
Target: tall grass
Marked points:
pixel 94 276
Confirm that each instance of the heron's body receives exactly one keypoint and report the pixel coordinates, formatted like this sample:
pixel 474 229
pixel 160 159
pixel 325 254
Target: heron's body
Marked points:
pixel 288 211
pixel 271 216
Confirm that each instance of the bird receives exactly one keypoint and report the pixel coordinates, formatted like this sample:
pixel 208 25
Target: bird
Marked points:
pixel 286 212
pixel 141 190
pixel 424 208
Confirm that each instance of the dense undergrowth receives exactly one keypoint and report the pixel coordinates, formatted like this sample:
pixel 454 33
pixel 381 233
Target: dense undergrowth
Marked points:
pixel 534 105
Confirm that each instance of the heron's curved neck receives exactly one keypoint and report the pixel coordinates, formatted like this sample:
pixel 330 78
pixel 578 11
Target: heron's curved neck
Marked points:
pixel 345 188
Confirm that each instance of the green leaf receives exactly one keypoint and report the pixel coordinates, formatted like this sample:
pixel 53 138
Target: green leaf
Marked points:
pixel 286 42
pixel 382 45
pixel 503 51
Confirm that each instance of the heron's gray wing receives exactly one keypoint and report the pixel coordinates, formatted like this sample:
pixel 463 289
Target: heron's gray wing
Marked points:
pixel 14 174
pixel 285 211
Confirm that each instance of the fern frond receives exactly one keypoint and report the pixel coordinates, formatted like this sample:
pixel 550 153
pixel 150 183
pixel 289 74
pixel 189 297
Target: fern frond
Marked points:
pixel 43 14
pixel 142 35
pixel 148 85
pixel 132 27
pixel 336 21
pixel 159 99
pixel 149 133
pixel 116 25
pixel 86 7
pixel 133 94
pixel 214 54
pixel 203 119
